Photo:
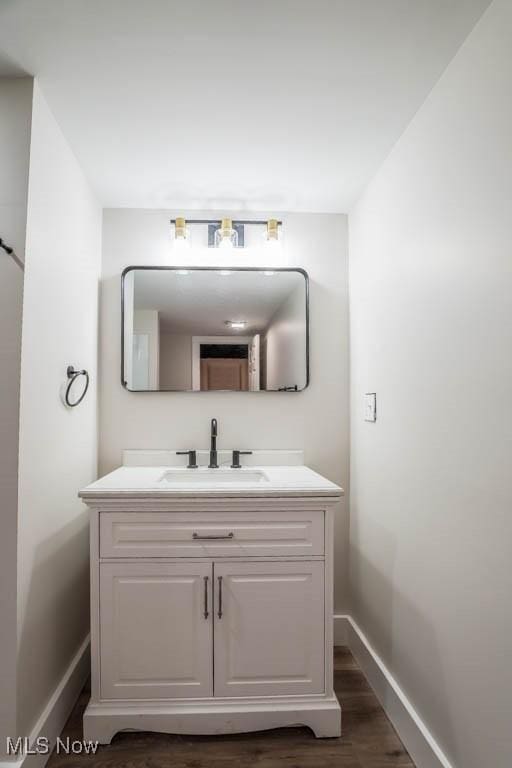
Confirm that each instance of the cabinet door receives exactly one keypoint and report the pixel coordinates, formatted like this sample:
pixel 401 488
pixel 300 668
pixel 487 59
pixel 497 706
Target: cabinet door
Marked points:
pixel 156 640
pixel 269 628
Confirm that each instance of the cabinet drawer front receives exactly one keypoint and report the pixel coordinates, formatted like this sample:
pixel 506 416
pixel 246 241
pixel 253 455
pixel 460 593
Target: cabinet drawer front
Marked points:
pixel 211 534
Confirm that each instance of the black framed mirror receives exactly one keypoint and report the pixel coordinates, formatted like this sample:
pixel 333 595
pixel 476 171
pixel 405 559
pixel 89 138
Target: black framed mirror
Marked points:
pixel 196 329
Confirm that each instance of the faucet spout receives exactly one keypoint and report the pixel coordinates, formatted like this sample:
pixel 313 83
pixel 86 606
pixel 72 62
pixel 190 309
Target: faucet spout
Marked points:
pixel 213 446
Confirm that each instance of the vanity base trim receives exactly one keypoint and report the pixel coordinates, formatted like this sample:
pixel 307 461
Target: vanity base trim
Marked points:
pixel 103 720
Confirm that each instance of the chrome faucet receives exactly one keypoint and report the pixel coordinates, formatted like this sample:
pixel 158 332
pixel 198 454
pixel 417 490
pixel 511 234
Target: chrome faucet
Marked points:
pixel 213 446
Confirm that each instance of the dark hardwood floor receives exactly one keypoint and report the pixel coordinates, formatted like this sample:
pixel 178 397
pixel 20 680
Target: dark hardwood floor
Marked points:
pixel 368 740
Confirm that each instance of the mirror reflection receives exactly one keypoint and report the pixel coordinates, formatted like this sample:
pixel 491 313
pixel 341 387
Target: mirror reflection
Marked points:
pixel 214 329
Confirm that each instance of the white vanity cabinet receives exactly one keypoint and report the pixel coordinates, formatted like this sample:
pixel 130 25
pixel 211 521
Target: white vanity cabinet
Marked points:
pixel 210 615
pixel 156 642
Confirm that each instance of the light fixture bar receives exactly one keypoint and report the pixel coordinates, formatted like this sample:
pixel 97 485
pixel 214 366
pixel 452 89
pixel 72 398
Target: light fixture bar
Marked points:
pixel 244 222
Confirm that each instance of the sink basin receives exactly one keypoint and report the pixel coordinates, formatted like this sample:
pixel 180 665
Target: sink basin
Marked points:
pixel 213 477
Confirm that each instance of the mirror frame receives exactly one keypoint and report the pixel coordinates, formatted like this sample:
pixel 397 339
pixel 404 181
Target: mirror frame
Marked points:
pixel 213 269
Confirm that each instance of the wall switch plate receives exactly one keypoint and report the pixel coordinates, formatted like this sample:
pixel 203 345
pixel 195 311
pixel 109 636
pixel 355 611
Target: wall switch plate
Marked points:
pixel 370 406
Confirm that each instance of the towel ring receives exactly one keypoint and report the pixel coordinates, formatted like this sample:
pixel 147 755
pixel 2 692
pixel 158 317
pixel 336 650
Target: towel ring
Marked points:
pixel 73 375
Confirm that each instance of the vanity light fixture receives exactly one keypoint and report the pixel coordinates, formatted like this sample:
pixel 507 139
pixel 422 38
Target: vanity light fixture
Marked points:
pixel 225 235
pixel 235 323
pixel 181 233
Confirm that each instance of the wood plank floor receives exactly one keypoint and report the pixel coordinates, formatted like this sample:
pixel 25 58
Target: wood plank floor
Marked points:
pixel 368 741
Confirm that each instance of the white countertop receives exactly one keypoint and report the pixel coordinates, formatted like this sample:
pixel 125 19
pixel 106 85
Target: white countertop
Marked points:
pixel 146 482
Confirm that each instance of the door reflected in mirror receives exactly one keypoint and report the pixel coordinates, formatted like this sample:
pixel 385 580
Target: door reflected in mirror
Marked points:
pixel 200 329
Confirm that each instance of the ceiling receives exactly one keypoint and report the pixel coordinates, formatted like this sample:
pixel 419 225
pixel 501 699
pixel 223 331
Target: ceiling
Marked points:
pixel 233 104
pixel 201 301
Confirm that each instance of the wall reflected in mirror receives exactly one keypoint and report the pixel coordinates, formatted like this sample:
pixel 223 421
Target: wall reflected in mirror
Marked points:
pixel 201 329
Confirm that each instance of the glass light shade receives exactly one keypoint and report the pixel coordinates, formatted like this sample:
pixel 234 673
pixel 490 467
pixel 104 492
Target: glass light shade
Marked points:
pixel 181 233
pixel 271 236
pixel 225 235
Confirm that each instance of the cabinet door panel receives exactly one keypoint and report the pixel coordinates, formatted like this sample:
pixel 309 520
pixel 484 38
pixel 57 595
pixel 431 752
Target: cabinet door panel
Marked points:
pixel 269 639
pixel 155 639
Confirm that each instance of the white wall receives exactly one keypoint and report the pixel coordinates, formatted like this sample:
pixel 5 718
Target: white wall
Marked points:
pixel 431 333
pixel 286 343
pixel 175 361
pixel 316 419
pixel 15 115
pixel 58 447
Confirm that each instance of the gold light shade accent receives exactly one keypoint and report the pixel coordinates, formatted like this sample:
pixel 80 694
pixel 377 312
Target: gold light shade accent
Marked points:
pixel 272 229
pixel 180 228
pixel 272 234
pixel 226 227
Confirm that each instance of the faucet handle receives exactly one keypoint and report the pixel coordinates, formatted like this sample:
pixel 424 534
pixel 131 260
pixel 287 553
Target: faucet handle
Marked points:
pixel 192 458
pixel 235 464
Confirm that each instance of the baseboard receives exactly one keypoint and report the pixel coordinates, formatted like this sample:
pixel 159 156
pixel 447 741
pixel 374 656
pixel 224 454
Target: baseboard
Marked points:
pixel 56 712
pixel 418 740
